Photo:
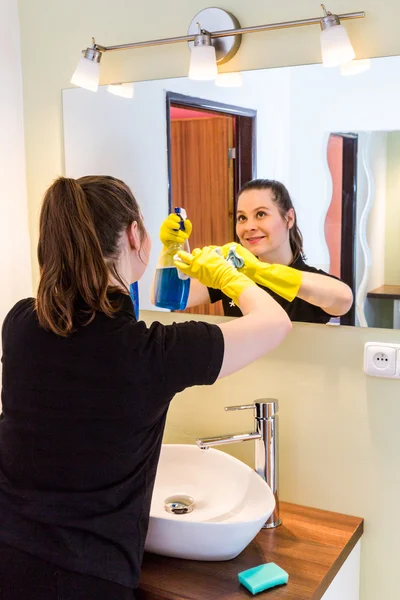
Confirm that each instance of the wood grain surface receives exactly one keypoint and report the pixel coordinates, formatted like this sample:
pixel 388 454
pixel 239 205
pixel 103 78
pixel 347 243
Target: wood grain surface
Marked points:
pixel 311 545
pixel 385 291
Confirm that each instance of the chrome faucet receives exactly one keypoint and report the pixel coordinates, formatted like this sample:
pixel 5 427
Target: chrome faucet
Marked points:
pixel 265 435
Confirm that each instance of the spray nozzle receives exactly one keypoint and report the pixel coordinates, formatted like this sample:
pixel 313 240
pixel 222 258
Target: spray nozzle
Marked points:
pixel 181 212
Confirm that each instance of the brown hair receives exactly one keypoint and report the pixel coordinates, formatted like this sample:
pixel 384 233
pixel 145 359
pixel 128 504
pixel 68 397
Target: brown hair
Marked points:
pixel 284 203
pixel 81 223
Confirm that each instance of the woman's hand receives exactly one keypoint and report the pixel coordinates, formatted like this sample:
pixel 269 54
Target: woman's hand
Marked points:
pixel 212 270
pixel 280 279
pixel 170 232
pixel 250 262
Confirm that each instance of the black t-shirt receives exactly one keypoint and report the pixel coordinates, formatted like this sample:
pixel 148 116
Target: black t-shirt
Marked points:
pixel 298 309
pixel 81 432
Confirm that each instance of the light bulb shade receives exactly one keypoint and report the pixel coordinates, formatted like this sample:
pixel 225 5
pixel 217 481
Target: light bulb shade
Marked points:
pixel 229 80
pixel 354 67
pixel 87 74
pixel 125 90
pixel 203 63
pixel 336 47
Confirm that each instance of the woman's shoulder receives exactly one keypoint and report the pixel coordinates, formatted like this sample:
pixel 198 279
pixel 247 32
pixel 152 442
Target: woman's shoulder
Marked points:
pixel 301 265
pixel 181 339
pixel 22 309
pixel 26 305
pixel 183 354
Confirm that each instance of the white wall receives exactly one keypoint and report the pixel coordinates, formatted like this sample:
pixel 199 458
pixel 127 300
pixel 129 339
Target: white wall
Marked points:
pixel 15 263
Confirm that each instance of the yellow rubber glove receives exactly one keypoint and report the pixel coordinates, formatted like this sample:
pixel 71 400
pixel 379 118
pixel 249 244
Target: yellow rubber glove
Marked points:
pixel 284 281
pixel 212 270
pixel 170 233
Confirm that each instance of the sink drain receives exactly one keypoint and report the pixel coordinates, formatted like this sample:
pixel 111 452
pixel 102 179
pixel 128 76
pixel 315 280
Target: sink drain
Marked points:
pixel 179 504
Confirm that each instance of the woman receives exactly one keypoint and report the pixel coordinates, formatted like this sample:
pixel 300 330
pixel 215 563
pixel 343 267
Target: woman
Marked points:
pixel 86 389
pixel 272 251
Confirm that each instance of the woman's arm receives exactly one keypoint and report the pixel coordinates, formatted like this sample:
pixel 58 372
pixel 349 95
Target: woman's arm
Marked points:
pixel 264 326
pixel 332 295
pixel 198 294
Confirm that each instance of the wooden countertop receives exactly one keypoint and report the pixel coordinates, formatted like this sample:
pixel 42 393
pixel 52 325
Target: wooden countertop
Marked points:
pixel 311 545
pixel 385 291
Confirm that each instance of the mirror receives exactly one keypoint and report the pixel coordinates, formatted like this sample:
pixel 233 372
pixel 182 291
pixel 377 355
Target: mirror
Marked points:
pixel 333 140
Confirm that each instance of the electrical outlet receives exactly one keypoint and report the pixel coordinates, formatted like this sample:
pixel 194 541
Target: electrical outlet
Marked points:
pixel 382 360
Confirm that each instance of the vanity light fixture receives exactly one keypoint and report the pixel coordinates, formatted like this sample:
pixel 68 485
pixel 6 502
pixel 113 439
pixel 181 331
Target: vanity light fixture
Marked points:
pixel 336 47
pixel 87 72
pixel 203 61
pixel 124 90
pixel 216 31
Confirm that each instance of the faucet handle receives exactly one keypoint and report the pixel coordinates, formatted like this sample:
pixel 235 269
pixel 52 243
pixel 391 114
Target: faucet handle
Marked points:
pixel 240 407
pixel 265 408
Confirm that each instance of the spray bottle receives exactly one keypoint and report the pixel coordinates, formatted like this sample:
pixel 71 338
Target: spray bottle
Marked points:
pixel 134 294
pixel 171 287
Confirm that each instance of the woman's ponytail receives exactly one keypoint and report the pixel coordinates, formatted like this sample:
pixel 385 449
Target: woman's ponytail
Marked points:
pixel 71 257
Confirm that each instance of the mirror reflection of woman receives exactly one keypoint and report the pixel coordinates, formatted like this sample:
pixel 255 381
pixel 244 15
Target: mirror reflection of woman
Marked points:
pixel 271 246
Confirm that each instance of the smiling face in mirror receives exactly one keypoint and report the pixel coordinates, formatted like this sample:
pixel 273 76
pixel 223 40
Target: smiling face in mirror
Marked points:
pixel 263 227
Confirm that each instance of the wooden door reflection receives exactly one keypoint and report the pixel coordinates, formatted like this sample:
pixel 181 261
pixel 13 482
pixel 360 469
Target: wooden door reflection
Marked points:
pixel 203 181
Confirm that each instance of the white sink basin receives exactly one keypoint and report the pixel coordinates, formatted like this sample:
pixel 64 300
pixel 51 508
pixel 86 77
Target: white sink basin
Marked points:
pixel 231 504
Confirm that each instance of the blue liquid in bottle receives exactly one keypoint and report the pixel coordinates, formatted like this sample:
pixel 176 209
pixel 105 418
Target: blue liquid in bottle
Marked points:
pixel 134 294
pixel 172 292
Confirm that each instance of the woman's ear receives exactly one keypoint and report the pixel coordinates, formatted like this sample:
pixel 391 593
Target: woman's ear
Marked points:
pixel 290 218
pixel 134 236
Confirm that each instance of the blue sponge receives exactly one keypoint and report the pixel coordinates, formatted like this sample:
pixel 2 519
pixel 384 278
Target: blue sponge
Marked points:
pixel 263 577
